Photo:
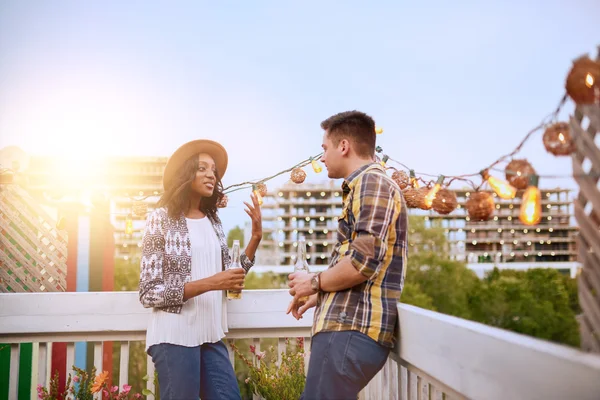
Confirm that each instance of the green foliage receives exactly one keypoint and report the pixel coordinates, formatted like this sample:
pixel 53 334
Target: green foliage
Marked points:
pixel 533 302
pixel 268 280
pixel 236 233
pixel 538 302
pixel 272 380
pixel 413 294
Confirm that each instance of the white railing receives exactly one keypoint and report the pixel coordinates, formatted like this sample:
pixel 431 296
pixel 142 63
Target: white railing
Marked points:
pixel 437 356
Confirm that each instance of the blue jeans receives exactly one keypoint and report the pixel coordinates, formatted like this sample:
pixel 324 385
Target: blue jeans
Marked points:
pixel 342 364
pixel 190 372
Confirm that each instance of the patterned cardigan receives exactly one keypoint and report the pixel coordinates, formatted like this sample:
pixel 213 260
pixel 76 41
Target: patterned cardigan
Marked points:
pixel 167 263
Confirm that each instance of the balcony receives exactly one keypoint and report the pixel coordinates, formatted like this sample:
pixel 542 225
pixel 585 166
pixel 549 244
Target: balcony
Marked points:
pixel 437 357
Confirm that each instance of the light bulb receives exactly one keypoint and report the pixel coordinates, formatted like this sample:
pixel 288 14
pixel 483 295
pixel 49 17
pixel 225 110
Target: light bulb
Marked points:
pixel 128 225
pixel 384 160
pixel 413 179
pixel 531 205
pixel 589 80
pixel 61 223
pixel 429 197
pixel 502 188
pixel 316 167
pixel 257 194
pixel 378 130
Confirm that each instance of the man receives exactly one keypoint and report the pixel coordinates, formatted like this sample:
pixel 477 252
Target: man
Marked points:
pixel 356 297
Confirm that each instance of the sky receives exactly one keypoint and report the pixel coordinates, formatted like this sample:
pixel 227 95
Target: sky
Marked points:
pixel 454 85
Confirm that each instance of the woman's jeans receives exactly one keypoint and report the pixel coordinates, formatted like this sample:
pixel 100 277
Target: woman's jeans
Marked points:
pixel 191 372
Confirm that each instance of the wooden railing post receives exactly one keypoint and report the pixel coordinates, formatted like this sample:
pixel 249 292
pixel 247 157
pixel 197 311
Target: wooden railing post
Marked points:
pixel 587 214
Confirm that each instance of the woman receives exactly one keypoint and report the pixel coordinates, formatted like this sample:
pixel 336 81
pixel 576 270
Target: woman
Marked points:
pixel 184 273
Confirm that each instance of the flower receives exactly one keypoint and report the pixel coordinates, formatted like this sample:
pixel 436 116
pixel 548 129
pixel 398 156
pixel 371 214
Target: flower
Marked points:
pixel 76 378
pixel 126 389
pixel 99 381
pixel 114 389
pixel 247 380
pixel 40 391
pixel 252 349
pixel 137 396
pixel 261 355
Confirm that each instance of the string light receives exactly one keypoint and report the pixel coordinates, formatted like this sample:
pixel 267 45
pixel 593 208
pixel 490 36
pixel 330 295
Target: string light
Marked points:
pixel 413 179
pixel 429 197
pixel 502 188
pixel 61 223
pixel 531 205
pixel 128 225
pixel 584 76
pixel 384 161
pixel 316 167
pixel 256 192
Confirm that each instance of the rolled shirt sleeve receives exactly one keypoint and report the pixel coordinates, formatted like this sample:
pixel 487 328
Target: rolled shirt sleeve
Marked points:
pixel 376 206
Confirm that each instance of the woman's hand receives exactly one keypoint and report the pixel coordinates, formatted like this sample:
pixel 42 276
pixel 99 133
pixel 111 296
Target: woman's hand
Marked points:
pixel 253 210
pixel 230 279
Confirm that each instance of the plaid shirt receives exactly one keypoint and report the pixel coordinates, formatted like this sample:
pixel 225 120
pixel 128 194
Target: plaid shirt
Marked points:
pixel 372 233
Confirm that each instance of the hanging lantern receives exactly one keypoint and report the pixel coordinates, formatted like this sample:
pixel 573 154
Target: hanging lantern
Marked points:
pixel 222 202
pixel 415 197
pixel 298 175
pixel 583 81
pixel 262 189
pixel 139 209
pixel 401 179
pixel 445 201
pixel 518 173
pixel 480 206
pixel 503 189
pixel 558 140
pixel 531 205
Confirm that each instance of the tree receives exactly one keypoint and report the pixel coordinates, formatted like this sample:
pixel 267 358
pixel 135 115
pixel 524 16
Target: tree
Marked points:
pixel 447 283
pixel 236 233
pixel 535 302
pixel 538 302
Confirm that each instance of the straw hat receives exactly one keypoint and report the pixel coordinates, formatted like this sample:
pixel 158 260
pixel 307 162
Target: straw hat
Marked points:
pixel 183 153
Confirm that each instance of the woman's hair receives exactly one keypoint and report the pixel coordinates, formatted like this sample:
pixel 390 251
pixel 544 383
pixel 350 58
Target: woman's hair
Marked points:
pixel 177 192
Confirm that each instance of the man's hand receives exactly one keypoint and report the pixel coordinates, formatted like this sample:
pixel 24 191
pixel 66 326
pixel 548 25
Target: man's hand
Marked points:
pixel 300 285
pixel 297 310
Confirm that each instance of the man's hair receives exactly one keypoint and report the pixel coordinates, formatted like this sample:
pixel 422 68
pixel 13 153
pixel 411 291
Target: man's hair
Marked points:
pixel 356 126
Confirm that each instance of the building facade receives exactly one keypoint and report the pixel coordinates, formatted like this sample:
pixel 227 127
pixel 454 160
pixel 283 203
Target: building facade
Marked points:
pixel 127 183
pixel 503 241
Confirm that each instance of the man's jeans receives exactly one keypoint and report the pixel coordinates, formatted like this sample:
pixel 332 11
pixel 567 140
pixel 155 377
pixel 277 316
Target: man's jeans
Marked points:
pixel 342 364
pixel 191 372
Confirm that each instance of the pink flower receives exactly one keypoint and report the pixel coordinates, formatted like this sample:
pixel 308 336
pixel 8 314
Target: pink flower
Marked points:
pixel 105 392
pixel 247 380
pixel 76 378
pixel 137 396
pixel 261 355
pixel 126 389
pixel 252 349
pixel 114 389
